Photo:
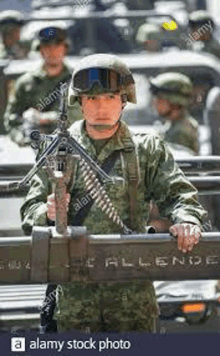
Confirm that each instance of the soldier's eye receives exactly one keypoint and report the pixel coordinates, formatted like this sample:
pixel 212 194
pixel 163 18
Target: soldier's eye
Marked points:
pixel 92 97
pixel 111 96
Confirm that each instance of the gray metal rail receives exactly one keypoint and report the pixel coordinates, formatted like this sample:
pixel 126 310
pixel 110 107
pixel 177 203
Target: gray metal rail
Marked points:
pixel 104 258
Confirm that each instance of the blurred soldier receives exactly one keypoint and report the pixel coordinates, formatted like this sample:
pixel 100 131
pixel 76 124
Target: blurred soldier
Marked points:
pixel 10 26
pixel 103 84
pixel 171 96
pixel 35 103
pixel 149 36
pixel 212 119
pixel 201 37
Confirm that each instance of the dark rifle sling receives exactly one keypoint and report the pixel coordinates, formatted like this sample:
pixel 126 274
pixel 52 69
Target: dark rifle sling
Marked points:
pixel 107 165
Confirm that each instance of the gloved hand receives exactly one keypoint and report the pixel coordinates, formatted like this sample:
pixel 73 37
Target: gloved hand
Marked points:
pixel 187 234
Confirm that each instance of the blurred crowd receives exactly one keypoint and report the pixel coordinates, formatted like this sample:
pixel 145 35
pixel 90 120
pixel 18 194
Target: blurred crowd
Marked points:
pixel 98 26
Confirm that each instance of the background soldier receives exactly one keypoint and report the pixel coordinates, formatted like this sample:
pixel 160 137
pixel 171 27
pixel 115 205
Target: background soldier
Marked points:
pixel 11 22
pixel 103 84
pixel 201 36
pixel 171 96
pixel 35 103
pixel 149 36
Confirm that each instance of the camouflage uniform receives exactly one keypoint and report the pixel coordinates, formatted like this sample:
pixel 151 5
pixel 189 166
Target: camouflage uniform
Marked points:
pixel 177 88
pixel 184 132
pixel 122 307
pixel 36 90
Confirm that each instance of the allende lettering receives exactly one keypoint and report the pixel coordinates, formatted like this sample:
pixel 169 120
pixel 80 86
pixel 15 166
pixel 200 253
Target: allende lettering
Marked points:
pixel 52 96
pixel 158 261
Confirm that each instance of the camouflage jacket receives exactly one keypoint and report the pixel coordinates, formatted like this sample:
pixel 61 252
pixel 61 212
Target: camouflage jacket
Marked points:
pixel 160 179
pixel 18 51
pixel 37 90
pixel 184 132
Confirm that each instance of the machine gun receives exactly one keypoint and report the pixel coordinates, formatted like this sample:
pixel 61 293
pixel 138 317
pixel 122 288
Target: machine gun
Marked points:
pixel 63 254
pixel 60 157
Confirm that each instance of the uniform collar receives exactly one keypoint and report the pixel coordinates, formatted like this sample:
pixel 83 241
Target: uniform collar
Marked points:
pixel 121 140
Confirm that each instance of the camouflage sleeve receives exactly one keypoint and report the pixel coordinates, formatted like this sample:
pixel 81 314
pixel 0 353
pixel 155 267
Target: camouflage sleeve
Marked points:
pixel 174 195
pixel 33 211
pixel 189 138
pixel 74 113
pixel 17 104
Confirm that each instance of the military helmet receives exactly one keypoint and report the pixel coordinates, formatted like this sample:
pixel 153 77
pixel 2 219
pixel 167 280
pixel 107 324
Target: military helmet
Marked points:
pixel 10 18
pixel 148 32
pixel 50 35
pixel 199 18
pixel 101 73
pixel 175 87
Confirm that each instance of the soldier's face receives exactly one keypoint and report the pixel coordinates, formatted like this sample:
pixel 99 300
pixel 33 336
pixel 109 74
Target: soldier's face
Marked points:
pixel 151 45
pixel 161 105
pixel 12 36
pixel 53 54
pixel 102 109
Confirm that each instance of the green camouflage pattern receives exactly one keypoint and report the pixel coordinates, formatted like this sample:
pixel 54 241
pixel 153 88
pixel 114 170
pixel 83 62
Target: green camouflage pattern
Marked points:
pixel 36 90
pixel 107 61
pixel 117 307
pixel 185 132
pixel 179 87
pixel 105 307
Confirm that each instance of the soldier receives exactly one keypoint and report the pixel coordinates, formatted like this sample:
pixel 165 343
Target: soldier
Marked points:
pixel 201 37
pixel 171 96
pixel 149 36
pixel 212 119
pixel 11 22
pixel 35 103
pixel 102 84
